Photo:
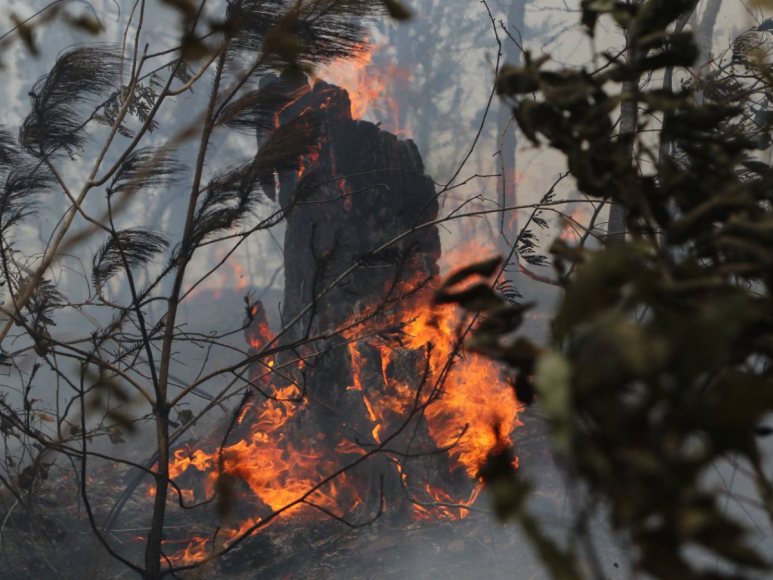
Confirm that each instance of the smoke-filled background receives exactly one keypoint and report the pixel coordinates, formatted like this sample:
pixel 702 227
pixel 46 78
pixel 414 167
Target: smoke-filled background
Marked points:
pixel 429 79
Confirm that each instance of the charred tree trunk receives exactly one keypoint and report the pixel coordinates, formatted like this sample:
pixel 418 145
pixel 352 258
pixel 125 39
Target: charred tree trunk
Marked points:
pixel 360 188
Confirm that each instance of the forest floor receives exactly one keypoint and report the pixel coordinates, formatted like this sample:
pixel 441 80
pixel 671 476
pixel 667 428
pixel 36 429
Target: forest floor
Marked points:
pixel 61 544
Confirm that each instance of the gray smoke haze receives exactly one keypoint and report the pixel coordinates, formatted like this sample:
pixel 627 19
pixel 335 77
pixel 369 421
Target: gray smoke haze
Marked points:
pixel 435 77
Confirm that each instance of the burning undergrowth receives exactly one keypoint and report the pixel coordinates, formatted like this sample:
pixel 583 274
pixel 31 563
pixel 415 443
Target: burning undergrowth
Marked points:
pixel 360 407
pixel 272 461
pixel 369 407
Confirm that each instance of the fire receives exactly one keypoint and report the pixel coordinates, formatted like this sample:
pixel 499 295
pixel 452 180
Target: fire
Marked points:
pixel 230 277
pixel 570 234
pixel 572 229
pixel 352 74
pixel 372 87
pixel 473 395
pixel 470 252
pixel 518 182
pixel 239 274
pixel 465 398
pixel 309 160
pixel 443 504
pixel 473 398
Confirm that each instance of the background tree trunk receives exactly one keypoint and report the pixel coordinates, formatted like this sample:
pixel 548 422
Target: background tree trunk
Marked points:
pixel 507 131
pixel 629 118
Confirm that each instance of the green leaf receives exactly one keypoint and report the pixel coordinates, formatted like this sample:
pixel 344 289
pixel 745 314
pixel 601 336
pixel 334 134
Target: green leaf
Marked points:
pixel 622 12
pixel 515 80
pixel 561 565
pixel 595 286
pixel 552 380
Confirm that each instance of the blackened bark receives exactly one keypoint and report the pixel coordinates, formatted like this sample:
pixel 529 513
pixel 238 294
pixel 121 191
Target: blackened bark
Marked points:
pixel 361 189
pixel 364 188
pixel 156 532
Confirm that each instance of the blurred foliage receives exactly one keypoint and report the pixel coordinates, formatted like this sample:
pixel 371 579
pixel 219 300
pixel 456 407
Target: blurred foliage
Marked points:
pixel 659 365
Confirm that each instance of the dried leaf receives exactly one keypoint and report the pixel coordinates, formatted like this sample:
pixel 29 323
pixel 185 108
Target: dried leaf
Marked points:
pixel 485 269
pixel 478 298
pixel 88 24
pixel 398 10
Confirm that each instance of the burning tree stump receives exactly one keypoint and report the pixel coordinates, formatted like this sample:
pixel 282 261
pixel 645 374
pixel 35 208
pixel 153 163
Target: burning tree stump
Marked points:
pixel 366 358
pixel 361 188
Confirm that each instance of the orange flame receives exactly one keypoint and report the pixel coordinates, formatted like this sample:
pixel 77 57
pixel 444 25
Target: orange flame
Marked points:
pixel 372 87
pixel 278 468
pixel 572 231
pixel 464 396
